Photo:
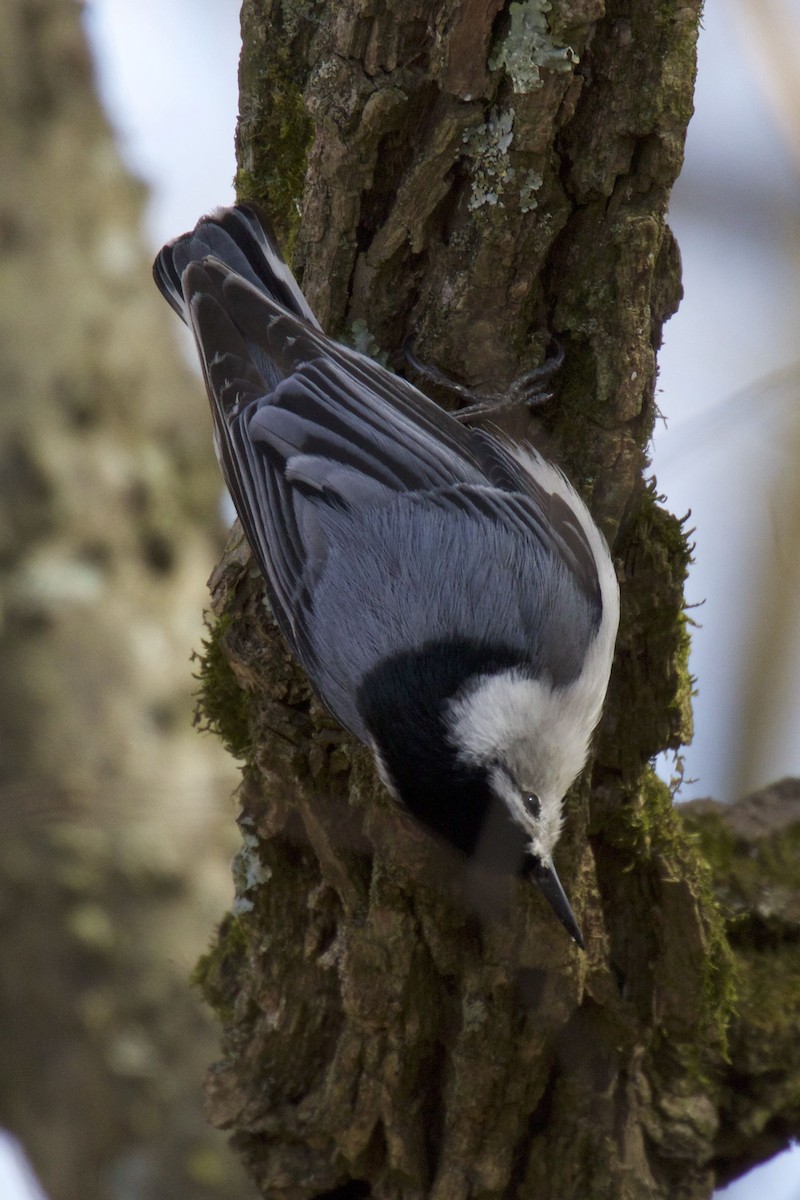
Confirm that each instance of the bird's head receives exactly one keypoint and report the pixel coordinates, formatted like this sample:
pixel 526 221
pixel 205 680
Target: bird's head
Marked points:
pixel 483 758
pixel 531 741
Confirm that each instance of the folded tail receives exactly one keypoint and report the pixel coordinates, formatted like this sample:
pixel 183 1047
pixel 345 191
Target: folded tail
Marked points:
pixel 241 239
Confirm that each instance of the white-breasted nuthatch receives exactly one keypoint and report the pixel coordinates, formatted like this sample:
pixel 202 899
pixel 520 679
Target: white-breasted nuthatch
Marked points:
pixel 448 593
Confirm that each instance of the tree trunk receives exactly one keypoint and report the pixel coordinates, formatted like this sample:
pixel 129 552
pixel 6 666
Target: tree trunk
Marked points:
pixel 475 176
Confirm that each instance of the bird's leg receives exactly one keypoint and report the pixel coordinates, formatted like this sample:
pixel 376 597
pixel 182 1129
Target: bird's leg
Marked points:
pixel 527 389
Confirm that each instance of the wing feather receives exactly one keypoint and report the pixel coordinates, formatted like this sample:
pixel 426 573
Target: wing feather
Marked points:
pixel 303 423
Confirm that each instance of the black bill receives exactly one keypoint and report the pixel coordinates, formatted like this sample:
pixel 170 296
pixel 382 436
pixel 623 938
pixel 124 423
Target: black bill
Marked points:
pixel 548 883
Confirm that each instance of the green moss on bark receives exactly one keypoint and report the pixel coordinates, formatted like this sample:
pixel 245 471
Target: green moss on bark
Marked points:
pixel 216 972
pixel 652 830
pixel 222 705
pixel 652 666
pixel 274 130
pixel 750 876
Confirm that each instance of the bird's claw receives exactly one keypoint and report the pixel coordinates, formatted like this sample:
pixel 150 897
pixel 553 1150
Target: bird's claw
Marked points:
pixel 526 390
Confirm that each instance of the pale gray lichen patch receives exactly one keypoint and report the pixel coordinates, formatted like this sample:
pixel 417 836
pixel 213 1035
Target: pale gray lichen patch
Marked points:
pixel 488 145
pixel 248 870
pixel 293 14
pixel 531 183
pixel 527 47
pixel 362 339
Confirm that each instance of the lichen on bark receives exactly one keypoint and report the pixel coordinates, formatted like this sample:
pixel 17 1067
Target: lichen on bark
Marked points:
pixel 378 1038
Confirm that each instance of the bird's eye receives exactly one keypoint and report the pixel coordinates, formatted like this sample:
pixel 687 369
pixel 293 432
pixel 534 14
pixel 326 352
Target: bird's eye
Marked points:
pixel 533 805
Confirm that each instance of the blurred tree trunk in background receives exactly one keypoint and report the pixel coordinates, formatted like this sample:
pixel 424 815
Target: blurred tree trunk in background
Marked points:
pixel 114 817
pixel 475 174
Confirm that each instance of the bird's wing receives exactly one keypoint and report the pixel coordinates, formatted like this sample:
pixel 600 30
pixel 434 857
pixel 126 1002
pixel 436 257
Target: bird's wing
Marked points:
pixel 302 422
pixel 548 504
pixel 337 428
pixel 456 566
pixel 340 429
pixel 345 392
pixel 551 546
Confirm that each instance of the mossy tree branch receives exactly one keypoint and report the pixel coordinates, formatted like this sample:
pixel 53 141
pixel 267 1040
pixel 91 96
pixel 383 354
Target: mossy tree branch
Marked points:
pixel 476 175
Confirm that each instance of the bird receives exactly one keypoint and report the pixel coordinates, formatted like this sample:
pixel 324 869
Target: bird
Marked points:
pixel 446 590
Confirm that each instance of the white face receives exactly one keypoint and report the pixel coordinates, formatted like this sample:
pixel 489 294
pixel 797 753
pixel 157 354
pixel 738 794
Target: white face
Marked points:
pixel 538 813
pixel 531 739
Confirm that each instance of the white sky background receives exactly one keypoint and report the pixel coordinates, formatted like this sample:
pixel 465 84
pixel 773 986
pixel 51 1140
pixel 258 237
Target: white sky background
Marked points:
pixel 168 76
pixel 736 215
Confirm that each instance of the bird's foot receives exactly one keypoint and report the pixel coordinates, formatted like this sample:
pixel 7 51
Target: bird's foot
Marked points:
pixel 526 390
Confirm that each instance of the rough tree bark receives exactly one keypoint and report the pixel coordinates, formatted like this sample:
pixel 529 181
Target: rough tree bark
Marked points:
pixel 475 174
